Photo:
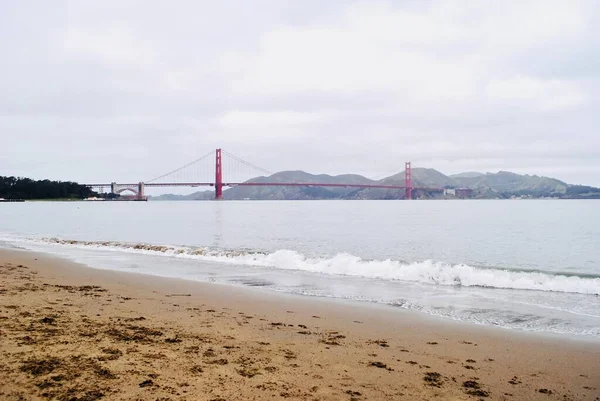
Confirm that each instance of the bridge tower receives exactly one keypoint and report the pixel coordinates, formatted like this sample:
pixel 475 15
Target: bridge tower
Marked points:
pixel 218 175
pixel 408 181
pixel 140 193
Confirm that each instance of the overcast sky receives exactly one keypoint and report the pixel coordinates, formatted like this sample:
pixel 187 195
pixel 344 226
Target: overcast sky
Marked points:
pixel 126 90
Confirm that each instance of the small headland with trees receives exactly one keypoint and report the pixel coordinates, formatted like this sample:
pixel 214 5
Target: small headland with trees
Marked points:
pixel 20 188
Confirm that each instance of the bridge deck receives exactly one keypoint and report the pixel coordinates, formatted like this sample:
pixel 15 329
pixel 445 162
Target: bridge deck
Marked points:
pixel 268 184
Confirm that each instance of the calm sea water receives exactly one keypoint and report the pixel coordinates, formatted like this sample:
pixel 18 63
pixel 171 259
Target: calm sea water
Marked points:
pixel 527 265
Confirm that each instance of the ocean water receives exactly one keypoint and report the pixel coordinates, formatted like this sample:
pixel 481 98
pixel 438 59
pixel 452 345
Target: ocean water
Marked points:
pixel 523 265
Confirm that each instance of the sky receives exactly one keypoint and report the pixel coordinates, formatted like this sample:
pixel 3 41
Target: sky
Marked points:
pixel 125 90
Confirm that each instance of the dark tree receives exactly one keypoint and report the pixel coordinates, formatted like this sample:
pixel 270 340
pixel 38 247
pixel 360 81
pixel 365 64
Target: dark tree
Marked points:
pixel 25 188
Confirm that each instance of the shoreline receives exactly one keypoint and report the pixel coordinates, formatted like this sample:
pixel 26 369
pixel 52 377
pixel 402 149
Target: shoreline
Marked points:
pixel 317 348
pixel 265 295
pixel 268 295
pixel 245 293
pixel 157 250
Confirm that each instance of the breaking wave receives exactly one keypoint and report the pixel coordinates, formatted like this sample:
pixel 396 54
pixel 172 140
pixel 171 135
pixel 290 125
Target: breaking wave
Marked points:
pixel 428 272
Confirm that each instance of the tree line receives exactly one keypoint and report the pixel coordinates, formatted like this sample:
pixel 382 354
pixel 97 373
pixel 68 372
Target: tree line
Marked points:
pixel 26 188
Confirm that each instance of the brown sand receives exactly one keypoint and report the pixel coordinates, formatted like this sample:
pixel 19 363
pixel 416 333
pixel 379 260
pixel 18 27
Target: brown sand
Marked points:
pixel 69 332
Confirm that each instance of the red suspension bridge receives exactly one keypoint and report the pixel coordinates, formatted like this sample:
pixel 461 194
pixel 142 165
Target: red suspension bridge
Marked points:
pixel 189 176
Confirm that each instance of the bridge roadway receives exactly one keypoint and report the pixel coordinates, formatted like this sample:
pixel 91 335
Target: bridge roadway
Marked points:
pixel 266 184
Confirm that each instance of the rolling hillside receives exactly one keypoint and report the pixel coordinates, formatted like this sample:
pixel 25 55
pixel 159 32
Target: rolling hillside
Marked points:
pixel 511 184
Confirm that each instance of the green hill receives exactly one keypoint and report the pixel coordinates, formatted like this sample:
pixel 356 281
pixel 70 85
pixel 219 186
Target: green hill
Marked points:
pixel 297 193
pixel 421 177
pixel 511 184
pixel 290 193
pixel 468 174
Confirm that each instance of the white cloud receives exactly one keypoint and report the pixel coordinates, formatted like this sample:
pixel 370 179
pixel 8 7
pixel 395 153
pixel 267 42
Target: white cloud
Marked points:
pixel 545 95
pixel 429 55
pixel 256 119
pixel 533 23
pixel 354 56
pixel 114 45
pixel 449 84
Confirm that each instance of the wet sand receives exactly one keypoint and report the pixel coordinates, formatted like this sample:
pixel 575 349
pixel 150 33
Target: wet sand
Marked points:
pixel 69 332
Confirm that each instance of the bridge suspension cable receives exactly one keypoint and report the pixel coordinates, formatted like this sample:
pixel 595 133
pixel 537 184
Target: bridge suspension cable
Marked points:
pixel 248 164
pixel 211 153
pixel 381 176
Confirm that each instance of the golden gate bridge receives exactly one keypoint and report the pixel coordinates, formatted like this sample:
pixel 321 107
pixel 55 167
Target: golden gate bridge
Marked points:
pixel 188 176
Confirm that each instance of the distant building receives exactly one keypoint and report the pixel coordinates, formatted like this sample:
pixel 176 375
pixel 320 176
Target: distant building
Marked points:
pixel 458 192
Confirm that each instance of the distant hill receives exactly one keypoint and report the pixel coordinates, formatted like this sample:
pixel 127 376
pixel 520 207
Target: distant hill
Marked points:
pixel 421 177
pixel 200 195
pixel 501 185
pixel 281 193
pixel 511 184
pixel 297 193
pixel 468 174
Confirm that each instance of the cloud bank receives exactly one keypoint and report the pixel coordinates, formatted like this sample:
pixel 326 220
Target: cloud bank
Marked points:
pixel 127 90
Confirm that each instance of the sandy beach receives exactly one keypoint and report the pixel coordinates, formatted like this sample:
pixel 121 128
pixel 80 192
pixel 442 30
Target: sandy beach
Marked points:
pixel 70 332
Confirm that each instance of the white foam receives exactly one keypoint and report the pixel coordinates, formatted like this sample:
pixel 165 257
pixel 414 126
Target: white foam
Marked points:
pixel 429 272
